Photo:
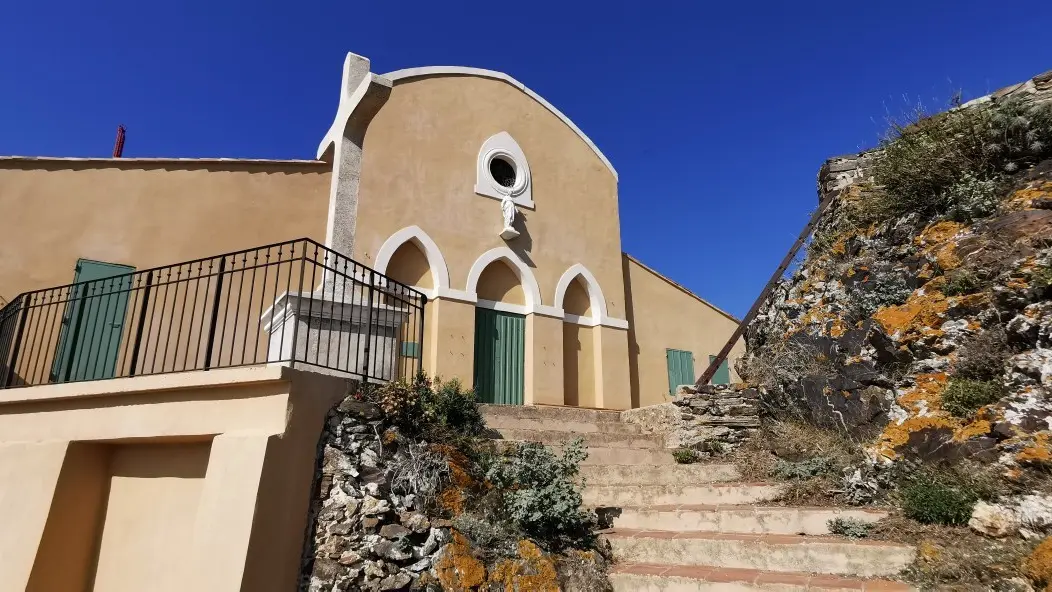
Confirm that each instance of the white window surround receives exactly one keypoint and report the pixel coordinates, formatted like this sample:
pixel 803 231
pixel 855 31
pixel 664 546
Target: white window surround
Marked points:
pixel 504 147
pixel 435 260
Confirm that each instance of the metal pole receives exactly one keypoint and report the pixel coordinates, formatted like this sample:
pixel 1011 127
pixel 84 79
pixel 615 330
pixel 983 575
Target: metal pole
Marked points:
pixel 764 295
pixel 9 379
pixel 143 305
pixel 215 314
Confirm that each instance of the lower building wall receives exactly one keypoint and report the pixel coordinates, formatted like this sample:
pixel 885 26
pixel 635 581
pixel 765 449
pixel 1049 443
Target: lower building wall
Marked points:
pixel 193 481
pixel 662 315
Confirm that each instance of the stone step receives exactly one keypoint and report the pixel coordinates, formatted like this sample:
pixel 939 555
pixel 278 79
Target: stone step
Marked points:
pixel 566 414
pixel 641 577
pixel 591 439
pixel 673 474
pixel 736 494
pixel 606 455
pixel 499 421
pixel 768 552
pixel 738 519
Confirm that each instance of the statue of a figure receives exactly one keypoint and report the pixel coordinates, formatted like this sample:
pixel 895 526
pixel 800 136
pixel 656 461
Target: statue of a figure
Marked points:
pixel 507 208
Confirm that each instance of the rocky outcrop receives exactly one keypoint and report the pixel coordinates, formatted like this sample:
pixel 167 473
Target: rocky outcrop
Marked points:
pixel 713 418
pixel 872 333
pixel 368 535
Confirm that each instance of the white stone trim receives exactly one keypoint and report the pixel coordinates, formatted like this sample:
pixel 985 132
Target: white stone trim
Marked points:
pixel 502 145
pixel 595 293
pixel 435 260
pixel 526 278
pixel 407 74
pixel 502 306
pixel 594 322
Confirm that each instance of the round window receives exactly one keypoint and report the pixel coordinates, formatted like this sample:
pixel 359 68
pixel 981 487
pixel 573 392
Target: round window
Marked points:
pixel 503 172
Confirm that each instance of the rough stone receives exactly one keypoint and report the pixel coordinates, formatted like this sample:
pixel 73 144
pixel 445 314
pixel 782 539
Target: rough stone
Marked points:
pixel 394 531
pixel 993 520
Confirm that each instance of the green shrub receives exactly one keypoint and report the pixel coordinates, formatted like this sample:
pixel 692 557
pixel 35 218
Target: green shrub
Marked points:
pixel 805 469
pixel 963 396
pixel 951 163
pixel 1042 276
pixel 982 357
pixel 541 494
pixel 883 289
pixel 493 536
pixel 850 527
pixel 452 406
pixel 960 282
pixel 931 499
pixel 686 456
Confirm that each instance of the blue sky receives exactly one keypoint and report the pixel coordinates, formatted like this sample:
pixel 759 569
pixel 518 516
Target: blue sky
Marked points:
pixel 716 115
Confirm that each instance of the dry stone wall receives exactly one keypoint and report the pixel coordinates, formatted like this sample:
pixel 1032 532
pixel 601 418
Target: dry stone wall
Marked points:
pixel 712 418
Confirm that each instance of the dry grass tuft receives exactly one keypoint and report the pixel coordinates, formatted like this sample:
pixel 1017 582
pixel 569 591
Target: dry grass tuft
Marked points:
pixel 954 557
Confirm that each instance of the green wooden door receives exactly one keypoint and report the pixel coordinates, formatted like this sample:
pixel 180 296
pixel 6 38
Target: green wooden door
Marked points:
pixel 500 362
pixel 93 322
pixel 723 373
pixel 680 368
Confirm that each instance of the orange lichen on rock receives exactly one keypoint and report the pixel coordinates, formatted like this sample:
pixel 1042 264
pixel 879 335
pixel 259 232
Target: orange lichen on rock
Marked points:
pixel 929 389
pixel 896 435
pixel 837 328
pixel 919 316
pixel 1038 566
pixel 1037 453
pixel 973 430
pixel 1023 199
pixel 458 569
pixel 452 498
pixel 936 241
pixel 531 571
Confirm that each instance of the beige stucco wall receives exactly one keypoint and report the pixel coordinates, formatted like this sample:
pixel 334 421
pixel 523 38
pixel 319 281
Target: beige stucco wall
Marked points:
pixel 663 315
pixel 418 168
pixel 147 213
pixel 192 481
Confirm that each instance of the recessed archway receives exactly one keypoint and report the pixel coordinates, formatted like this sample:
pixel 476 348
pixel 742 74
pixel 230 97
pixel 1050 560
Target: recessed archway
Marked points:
pixel 397 257
pixel 578 274
pixel 531 293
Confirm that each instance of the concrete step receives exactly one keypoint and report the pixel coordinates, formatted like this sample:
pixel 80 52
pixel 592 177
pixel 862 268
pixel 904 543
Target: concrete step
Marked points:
pixel 641 577
pixel 606 455
pixel 738 519
pixel 501 421
pixel 736 494
pixel 591 439
pixel 658 475
pixel 565 414
pixel 769 552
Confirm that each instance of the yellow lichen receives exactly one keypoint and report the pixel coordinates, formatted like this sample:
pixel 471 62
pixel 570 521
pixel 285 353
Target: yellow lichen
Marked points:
pixel 452 498
pixel 531 571
pixel 973 430
pixel 1036 453
pixel 917 317
pixel 1038 566
pixel 936 241
pixel 896 435
pixel 928 551
pixel 1023 199
pixel 928 389
pixel 458 569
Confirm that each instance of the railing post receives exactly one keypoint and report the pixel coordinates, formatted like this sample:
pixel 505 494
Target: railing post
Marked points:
pixel 295 317
pixel 145 303
pixel 420 339
pixel 215 314
pixel 369 325
pixel 16 345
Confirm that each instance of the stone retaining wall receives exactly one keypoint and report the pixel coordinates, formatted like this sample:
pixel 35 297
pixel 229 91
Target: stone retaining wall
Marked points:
pixel 713 418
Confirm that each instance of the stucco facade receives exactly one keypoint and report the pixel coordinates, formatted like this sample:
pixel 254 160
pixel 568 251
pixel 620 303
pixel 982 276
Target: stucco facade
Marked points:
pixel 404 184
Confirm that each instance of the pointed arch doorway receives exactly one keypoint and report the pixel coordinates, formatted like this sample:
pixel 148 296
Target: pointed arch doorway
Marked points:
pixel 500 336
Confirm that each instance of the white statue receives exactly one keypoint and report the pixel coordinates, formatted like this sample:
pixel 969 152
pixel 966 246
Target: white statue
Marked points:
pixel 507 208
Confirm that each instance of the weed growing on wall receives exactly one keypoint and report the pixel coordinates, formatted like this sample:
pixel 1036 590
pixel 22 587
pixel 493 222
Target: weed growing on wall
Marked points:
pixel 853 528
pixel 953 164
pixel 686 456
pixel 963 397
pixel 929 498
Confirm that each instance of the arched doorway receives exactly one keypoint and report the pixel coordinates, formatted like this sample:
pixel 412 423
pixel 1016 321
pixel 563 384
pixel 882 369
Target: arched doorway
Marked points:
pixel 578 348
pixel 500 336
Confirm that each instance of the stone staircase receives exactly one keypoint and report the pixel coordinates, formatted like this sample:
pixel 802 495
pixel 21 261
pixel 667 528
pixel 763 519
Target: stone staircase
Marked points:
pixel 686 528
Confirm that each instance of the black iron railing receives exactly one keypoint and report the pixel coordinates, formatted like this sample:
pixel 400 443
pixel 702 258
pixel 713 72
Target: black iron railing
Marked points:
pixel 295 302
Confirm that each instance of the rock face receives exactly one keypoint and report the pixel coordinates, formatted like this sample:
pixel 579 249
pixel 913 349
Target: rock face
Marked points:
pixel 367 534
pixel 873 330
pixel 710 418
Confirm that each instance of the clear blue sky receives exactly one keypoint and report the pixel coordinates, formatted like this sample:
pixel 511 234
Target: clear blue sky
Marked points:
pixel 716 115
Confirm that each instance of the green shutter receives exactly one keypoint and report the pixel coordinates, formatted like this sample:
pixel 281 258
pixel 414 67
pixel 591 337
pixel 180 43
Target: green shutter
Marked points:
pixel 680 368
pixel 723 373
pixel 93 322
pixel 500 362
pixel 410 349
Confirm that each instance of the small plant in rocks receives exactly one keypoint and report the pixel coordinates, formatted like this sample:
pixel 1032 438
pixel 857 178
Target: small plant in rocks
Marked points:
pixel 686 456
pixel 963 397
pixel 805 469
pixel 931 499
pixel 852 528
